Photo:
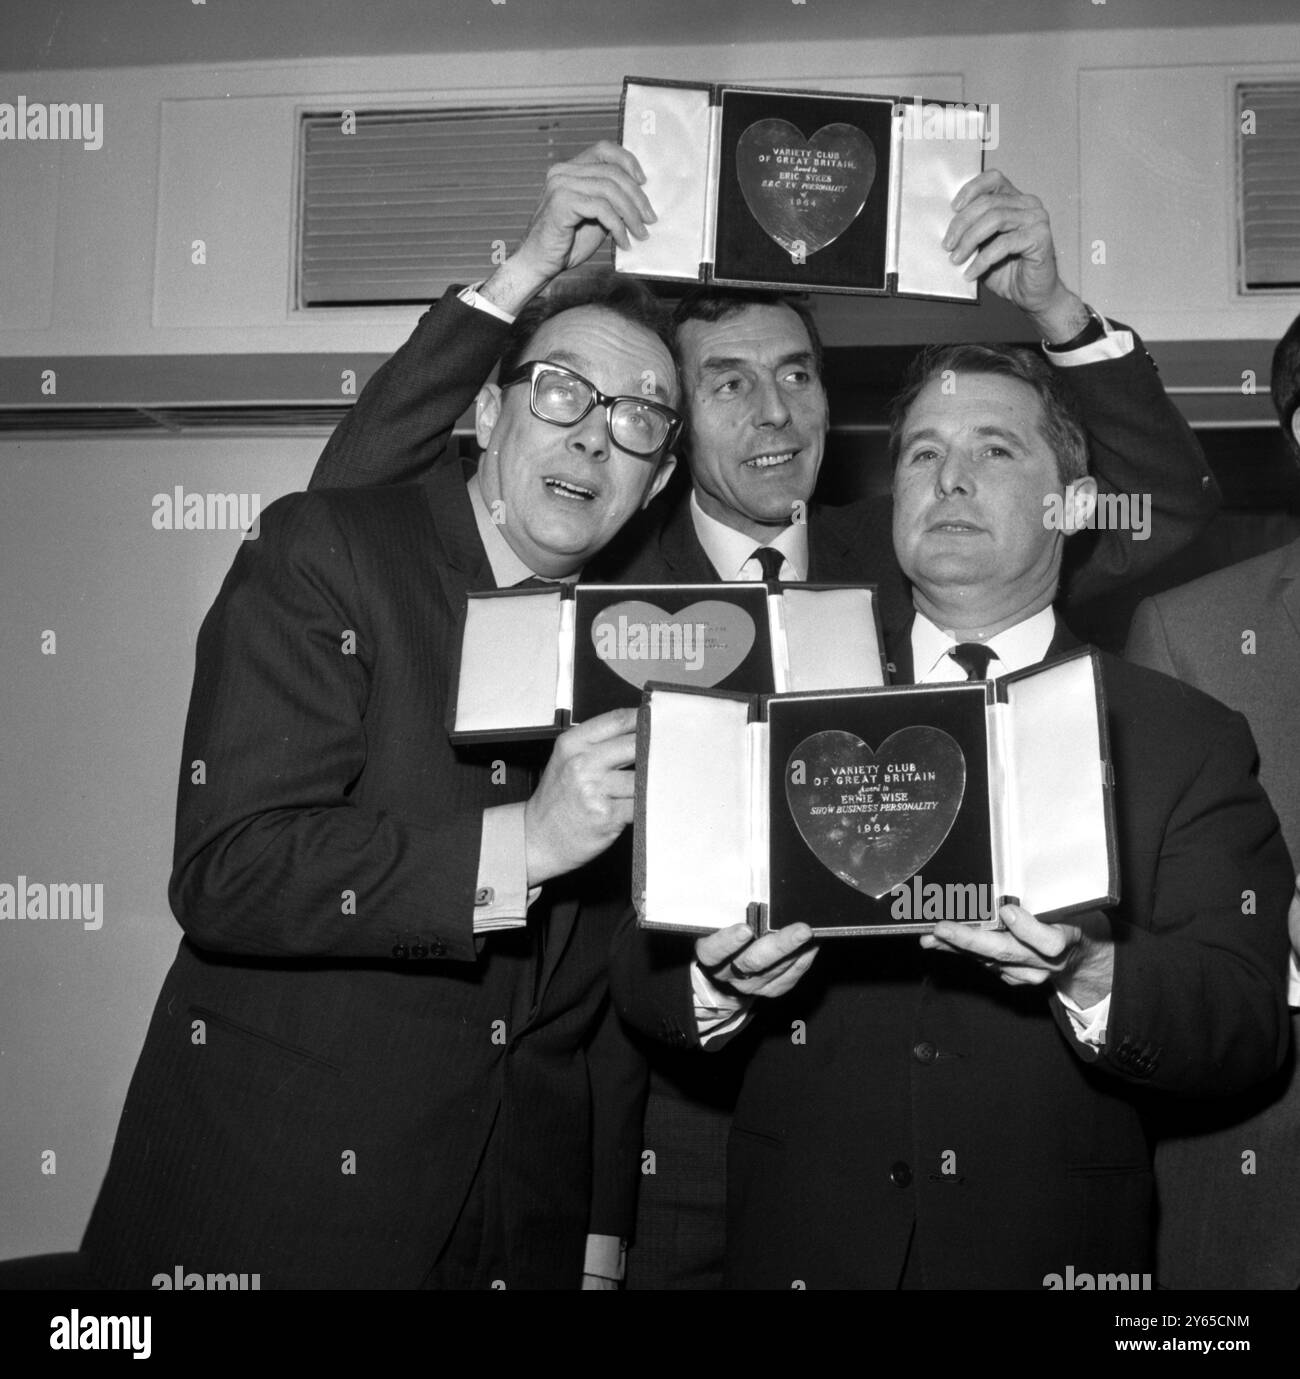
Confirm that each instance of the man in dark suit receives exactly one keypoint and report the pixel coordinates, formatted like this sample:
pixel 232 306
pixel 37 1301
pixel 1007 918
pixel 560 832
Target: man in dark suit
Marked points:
pixel 1228 1177
pixel 758 419
pixel 388 1018
pixel 966 1113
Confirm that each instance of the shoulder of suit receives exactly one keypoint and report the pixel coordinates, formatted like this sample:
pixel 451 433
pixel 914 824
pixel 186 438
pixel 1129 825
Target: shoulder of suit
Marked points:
pixel 1149 700
pixel 324 512
pixel 1245 582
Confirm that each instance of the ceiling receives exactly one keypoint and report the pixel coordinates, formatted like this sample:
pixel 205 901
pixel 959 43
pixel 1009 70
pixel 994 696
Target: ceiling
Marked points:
pixel 44 34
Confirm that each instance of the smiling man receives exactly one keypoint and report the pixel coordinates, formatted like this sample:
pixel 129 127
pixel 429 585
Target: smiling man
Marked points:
pixel 968 1112
pixel 757 417
pixel 758 413
pixel 387 1016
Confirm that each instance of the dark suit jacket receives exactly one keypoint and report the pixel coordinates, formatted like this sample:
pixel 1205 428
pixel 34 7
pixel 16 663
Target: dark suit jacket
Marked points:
pixel 1221 1227
pixel 333 1045
pixel 924 1090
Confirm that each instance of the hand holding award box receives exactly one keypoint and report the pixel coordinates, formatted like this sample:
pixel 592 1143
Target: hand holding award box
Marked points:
pixel 875 811
pixel 800 190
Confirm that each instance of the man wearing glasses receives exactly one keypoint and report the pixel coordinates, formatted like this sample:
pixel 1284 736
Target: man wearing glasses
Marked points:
pixel 374 1060
pixel 757 421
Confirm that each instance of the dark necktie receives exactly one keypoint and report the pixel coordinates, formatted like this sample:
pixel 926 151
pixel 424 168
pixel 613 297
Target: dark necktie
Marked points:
pixel 973 658
pixel 770 561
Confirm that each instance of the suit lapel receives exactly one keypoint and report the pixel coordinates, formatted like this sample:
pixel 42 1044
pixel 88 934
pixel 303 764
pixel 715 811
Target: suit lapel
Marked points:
pixel 681 552
pixel 1063 640
pixel 465 569
pixel 464 566
pixel 560 924
pixel 898 646
pixel 1289 586
pixel 830 554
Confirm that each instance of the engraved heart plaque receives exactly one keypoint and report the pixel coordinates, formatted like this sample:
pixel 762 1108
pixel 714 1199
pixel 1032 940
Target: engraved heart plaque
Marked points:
pixel 804 192
pixel 701 645
pixel 874 818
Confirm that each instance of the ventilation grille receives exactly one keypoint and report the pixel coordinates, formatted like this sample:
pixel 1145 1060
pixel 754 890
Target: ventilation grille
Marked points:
pixel 1268 162
pixel 411 202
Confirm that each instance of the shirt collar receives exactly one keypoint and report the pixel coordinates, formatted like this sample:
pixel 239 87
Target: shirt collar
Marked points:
pixel 507 568
pixel 730 551
pixel 1023 644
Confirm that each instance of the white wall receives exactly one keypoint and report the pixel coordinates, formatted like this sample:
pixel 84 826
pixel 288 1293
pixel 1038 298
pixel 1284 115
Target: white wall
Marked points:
pixel 89 759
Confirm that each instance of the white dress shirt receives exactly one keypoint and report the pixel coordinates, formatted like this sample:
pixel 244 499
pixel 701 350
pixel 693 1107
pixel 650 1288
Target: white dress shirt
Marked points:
pixel 731 552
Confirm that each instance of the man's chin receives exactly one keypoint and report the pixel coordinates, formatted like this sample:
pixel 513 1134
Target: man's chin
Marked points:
pixel 949 573
pixel 575 539
pixel 776 505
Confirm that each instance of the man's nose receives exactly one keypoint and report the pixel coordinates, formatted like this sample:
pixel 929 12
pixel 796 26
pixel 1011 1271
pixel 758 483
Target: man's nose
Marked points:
pixel 590 436
pixel 770 408
pixel 954 475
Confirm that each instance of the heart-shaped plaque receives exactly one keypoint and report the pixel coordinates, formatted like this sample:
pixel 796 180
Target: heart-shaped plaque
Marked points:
pixel 875 818
pixel 701 645
pixel 804 192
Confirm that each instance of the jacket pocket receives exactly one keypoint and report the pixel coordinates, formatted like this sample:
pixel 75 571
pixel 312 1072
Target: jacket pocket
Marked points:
pixel 268 1041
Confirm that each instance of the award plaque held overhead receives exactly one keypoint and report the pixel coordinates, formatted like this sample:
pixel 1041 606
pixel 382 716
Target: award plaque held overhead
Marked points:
pixel 800 190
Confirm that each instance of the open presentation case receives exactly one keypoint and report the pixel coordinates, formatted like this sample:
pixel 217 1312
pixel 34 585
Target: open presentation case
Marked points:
pixel 800 190
pixel 876 811
pixel 533 661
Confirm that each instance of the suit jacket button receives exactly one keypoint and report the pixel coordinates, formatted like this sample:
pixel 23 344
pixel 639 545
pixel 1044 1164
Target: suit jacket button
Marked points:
pixel 437 948
pixel 925 1052
pixel 900 1175
pixel 418 950
pixel 400 951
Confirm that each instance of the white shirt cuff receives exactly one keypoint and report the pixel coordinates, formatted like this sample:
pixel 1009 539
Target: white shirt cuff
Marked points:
pixel 1293 982
pixel 606 1257
pixel 471 297
pixel 716 1011
pixel 1089 1025
pixel 1115 344
pixel 501 893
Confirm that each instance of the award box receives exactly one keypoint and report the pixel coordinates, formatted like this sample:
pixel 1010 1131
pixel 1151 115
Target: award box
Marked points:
pixel 533 661
pixel 800 190
pixel 877 811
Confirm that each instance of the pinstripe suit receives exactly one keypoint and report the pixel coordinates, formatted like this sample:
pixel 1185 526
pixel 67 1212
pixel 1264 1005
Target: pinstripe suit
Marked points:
pixel 333 1049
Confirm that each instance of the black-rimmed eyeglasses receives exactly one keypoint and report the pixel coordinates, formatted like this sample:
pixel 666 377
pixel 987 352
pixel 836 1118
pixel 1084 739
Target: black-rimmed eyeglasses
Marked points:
pixel 638 425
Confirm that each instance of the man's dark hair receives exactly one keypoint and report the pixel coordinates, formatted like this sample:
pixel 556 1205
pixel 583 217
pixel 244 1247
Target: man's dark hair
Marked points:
pixel 715 303
pixel 1062 423
pixel 625 297
pixel 1285 382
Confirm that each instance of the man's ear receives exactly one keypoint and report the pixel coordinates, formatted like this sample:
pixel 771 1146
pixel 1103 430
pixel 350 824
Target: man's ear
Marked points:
pixel 1295 425
pixel 662 475
pixel 487 411
pixel 1080 503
